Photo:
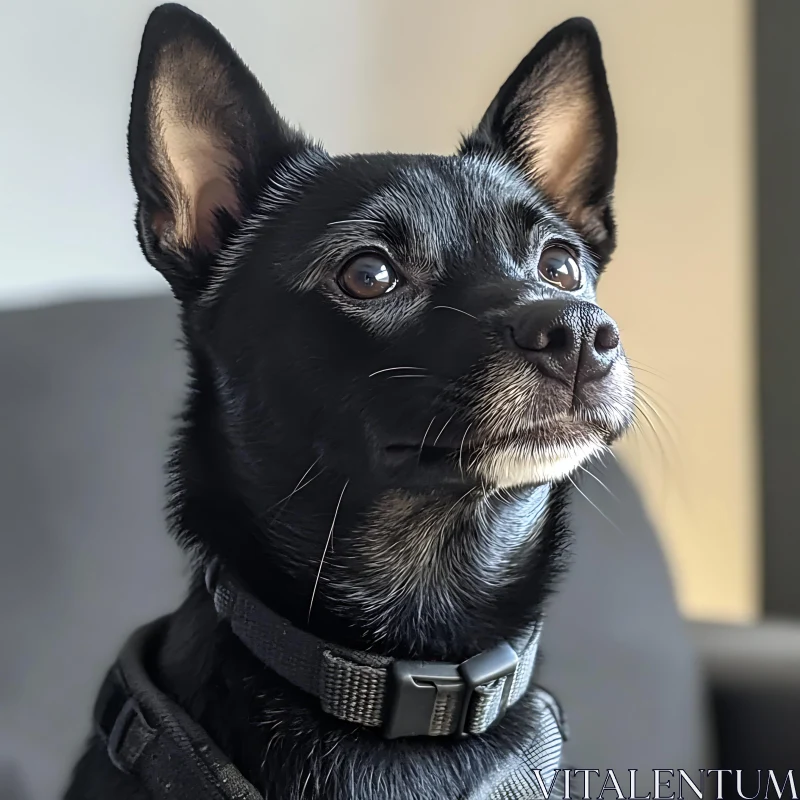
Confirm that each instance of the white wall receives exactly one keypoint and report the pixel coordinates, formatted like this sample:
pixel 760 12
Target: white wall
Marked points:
pixel 66 74
pixel 412 75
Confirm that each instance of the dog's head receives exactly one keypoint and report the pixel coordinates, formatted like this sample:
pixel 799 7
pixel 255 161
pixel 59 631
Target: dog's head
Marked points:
pixel 415 320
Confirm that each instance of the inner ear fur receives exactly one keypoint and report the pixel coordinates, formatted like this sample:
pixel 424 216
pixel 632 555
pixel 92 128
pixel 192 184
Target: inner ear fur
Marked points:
pixel 554 118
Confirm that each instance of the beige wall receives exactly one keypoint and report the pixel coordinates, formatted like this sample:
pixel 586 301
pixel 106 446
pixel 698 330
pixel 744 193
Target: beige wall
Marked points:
pixel 680 283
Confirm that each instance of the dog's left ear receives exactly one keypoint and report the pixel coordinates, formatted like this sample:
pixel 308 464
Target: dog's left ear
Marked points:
pixel 202 141
pixel 553 117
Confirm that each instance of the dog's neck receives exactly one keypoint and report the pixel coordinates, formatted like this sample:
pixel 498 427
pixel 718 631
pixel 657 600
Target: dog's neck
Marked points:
pixel 439 573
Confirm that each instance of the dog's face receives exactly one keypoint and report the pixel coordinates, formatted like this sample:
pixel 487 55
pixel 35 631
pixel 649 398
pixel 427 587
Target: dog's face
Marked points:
pixel 416 320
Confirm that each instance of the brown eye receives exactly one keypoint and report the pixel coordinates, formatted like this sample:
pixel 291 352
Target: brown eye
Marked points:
pixel 559 267
pixel 368 276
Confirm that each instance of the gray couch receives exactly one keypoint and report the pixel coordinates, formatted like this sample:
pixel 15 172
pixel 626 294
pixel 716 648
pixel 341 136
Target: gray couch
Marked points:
pixel 88 392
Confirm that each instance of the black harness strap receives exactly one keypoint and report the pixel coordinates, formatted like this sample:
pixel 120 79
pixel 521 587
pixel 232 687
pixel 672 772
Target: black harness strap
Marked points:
pixel 152 738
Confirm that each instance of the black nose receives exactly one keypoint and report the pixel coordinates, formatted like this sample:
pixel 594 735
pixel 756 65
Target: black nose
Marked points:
pixel 566 340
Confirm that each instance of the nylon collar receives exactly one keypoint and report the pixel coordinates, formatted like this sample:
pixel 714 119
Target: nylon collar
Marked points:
pixel 401 698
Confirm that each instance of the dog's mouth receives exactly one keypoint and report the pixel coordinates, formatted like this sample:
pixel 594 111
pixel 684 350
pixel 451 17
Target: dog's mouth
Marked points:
pixel 426 455
pixel 547 451
pixel 562 429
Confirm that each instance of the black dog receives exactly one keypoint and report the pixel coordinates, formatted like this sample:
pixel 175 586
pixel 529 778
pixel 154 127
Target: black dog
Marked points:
pixel 420 520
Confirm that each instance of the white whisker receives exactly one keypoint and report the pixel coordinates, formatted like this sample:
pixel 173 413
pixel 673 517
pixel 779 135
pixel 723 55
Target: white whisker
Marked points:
pixel 439 435
pixel 459 310
pixel 593 505
pixel 327 545
pixel 665 459
pixel 424 437
pixel 592 475
pixel 447 516
pixel 355 219
pixel 394 369
pixel 609 452
pixel 461 449
pixel 300 485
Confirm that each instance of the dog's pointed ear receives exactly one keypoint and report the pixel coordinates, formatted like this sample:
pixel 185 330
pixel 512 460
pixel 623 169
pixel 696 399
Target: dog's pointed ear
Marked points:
pixel 202 140
pixel 554 118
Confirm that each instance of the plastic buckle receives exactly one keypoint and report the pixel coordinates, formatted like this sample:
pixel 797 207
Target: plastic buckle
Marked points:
pixel 485 668
pixel 119 730
pixel 417 685
pixel 415 688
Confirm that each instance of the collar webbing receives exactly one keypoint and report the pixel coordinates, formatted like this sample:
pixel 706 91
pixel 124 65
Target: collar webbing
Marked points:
pixel 402 698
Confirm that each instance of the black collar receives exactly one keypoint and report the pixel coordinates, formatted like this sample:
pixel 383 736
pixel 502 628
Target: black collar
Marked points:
pixel 401 698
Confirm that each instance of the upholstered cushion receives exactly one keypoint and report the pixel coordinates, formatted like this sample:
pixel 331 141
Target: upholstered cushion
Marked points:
pixel 88 394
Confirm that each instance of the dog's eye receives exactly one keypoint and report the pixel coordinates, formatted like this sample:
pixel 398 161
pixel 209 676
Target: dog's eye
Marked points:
pixel 367 276
pixel 558 266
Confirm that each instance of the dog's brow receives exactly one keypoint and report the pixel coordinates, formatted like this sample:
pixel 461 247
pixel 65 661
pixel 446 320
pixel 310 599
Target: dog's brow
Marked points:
pixel 525 225
pixel 350 229
pixel 526 216
pixel 387 229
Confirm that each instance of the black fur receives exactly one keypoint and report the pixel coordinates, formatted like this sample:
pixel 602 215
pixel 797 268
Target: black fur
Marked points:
pixel 297 404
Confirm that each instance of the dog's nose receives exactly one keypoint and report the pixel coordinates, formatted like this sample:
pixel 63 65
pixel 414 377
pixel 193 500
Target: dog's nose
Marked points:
pixel 568 340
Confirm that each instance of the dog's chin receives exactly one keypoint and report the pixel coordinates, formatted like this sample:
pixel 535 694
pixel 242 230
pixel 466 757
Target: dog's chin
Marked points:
pixel 547 454
pixel 526 463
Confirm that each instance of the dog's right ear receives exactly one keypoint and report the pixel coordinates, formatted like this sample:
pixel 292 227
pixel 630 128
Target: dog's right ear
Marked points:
pixel 202 141
pixel 554 119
